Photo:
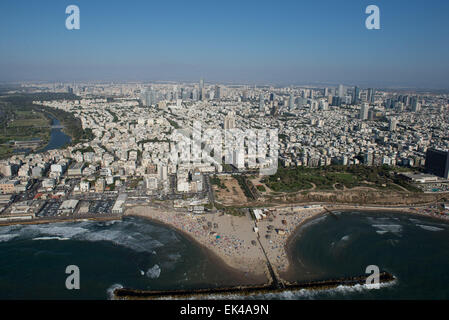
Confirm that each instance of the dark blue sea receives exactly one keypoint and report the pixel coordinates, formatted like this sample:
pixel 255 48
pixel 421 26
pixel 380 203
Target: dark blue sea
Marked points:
pixel 137 253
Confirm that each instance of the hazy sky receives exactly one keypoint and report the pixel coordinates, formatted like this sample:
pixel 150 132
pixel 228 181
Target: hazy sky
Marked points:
pixel 278 42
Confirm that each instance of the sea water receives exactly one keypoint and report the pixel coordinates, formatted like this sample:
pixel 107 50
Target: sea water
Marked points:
pixel 137 253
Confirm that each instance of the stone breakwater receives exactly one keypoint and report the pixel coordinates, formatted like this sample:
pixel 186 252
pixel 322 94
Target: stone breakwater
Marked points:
pixel 124 293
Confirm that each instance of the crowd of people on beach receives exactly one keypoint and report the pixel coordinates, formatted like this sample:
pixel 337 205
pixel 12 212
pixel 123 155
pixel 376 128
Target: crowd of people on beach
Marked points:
pixel 239 247
pixel 207 233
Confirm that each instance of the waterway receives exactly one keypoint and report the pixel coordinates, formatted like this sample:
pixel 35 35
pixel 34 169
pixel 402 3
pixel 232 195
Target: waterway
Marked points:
pixel 58 138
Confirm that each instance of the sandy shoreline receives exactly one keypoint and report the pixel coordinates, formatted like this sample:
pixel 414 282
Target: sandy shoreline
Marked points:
pixel 235 251
pixel 233 240
pixel 230 241
pixel 241 277
pixel 234 246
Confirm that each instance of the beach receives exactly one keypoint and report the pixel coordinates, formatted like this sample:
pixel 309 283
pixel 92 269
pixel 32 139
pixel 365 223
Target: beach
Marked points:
pixel 232 241
pixel 232 238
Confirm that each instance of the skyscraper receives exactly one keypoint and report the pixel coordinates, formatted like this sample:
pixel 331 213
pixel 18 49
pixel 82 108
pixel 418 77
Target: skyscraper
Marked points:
pixel 416 106
pixel 371 95
pixel 147 97
pixel 341 92
pixel 261 103
pixel 323 105
pixel 229 121
pixel 437 162
pixel 195 94
pixel 203 94
pixel 355 96
pixel 217 92
pixel 364 111
pixel 369 158
pixel 200 90
pixel 291 102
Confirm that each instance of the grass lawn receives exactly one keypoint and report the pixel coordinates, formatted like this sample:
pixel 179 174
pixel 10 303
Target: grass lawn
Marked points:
pixel 325 178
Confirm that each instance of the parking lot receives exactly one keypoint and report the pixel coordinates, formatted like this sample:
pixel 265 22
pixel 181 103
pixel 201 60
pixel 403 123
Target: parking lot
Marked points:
pixel 50 209
pixel 101 207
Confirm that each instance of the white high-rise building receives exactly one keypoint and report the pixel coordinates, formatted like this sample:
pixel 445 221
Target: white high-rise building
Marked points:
pixel 364 111
pixel 291 102
pixel 393 124
pixel 229 121
pixel 239 159
pixel 323 105
pixel 261 103
pixel 416 106
pixel 341 91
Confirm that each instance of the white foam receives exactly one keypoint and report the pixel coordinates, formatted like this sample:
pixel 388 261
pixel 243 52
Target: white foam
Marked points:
pixel 123 239
pixel 65 231
pixel 429 228
pixel 110 223
pixel 51 238
pixel 7 237
pixel 301 294
pixel 110 290
pixel 393 228
pixel 380 220
pixel 315 221
pixel 154 272
pixel 345 238
pixel 140 239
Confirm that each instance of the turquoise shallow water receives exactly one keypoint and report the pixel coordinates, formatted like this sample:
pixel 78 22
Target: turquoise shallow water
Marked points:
pixel 140 254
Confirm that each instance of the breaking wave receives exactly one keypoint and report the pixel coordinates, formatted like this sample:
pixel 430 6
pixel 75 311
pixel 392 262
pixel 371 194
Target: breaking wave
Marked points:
pixel 393 228
pixel 429 228
pixel 50 238
pixel 129 233
pixel 7 237
pixel 303 294
pixel 154 272
pixel 110 290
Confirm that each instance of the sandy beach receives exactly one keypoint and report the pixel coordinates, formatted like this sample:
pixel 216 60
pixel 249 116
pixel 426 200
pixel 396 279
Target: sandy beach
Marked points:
pixel 233 242
pixel 233 238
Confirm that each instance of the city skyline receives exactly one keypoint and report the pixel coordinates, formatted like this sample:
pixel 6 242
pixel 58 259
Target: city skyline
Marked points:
pixel 291 43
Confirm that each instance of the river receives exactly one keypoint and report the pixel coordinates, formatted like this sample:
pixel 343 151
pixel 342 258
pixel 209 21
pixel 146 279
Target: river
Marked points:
pixel 58 138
